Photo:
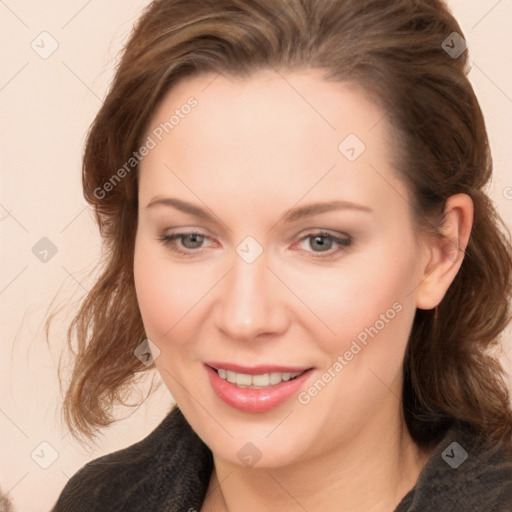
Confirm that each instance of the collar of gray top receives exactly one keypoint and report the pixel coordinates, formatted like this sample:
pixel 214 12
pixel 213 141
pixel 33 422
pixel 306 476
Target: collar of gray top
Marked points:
pixel 170 469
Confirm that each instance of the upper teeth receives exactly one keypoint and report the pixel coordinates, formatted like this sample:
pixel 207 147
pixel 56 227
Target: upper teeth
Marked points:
pixel 266 379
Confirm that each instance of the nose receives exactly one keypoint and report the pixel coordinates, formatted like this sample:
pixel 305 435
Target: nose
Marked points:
pixel 252 302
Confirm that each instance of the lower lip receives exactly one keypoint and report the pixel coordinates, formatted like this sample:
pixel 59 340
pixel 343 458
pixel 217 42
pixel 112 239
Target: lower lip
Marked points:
pixel 255 400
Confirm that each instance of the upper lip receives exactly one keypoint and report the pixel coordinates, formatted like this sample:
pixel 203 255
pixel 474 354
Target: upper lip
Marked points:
pixel 258 369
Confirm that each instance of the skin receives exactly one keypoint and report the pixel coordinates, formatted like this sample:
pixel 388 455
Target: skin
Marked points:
pixel 251 150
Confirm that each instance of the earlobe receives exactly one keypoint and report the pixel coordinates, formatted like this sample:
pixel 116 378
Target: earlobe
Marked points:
pixel 445 253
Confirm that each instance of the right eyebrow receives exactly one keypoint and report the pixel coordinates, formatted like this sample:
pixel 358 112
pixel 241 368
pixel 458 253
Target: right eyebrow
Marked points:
pixel 181 205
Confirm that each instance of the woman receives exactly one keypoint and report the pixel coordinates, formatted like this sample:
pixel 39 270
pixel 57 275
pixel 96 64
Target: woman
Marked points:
pixel 292 199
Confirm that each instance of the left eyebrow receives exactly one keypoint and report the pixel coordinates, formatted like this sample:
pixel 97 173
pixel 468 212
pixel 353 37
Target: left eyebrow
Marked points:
pixel 311 209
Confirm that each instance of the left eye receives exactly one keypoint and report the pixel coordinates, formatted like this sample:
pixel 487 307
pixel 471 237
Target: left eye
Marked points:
pixel 324 242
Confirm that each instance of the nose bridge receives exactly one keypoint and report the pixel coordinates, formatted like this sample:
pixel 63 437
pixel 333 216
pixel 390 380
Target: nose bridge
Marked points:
pixel 249 303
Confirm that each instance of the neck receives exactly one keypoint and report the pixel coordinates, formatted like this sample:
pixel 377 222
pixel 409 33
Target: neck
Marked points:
pixel 371 473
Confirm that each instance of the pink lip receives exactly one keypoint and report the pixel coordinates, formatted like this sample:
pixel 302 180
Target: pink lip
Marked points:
pixel 255 400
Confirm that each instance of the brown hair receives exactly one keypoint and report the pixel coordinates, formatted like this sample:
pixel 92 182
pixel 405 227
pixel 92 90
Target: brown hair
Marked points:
pixel 394 51
pixel 5 503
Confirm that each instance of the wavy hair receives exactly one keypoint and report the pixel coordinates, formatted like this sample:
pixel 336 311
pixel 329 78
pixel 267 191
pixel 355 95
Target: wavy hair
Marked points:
pixel 396 51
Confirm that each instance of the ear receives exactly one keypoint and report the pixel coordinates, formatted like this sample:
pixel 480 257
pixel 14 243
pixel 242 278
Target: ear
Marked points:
pixel 444 254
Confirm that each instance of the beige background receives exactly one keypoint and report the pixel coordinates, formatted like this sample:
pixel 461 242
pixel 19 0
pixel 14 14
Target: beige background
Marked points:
pixel 46 107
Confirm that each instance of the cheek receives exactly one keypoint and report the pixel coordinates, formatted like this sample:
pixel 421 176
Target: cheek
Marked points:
pixel 164 294
pixel 367 296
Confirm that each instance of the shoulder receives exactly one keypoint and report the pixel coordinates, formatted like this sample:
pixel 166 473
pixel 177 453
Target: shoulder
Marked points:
pixel 464 473
pixel 169 464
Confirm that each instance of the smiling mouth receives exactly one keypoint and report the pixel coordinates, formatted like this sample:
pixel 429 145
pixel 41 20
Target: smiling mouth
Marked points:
pixel 259 381
pixel 256 389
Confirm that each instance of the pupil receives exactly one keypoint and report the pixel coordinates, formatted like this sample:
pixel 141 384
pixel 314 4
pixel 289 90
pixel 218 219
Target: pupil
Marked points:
pixel 197 239
pixel 321 245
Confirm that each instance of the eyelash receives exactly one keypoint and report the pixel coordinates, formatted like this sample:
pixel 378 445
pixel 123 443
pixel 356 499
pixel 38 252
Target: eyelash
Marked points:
pixel 168 241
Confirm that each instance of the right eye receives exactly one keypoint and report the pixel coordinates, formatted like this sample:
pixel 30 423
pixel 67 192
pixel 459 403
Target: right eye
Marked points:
pixel 185 243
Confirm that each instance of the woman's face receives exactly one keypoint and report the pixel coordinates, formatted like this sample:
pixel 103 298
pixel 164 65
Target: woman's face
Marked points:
pixel 304 260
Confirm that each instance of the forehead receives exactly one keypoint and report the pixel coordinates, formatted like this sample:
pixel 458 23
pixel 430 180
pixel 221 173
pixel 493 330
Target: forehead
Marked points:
pixel 272 107
pixel 279 135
